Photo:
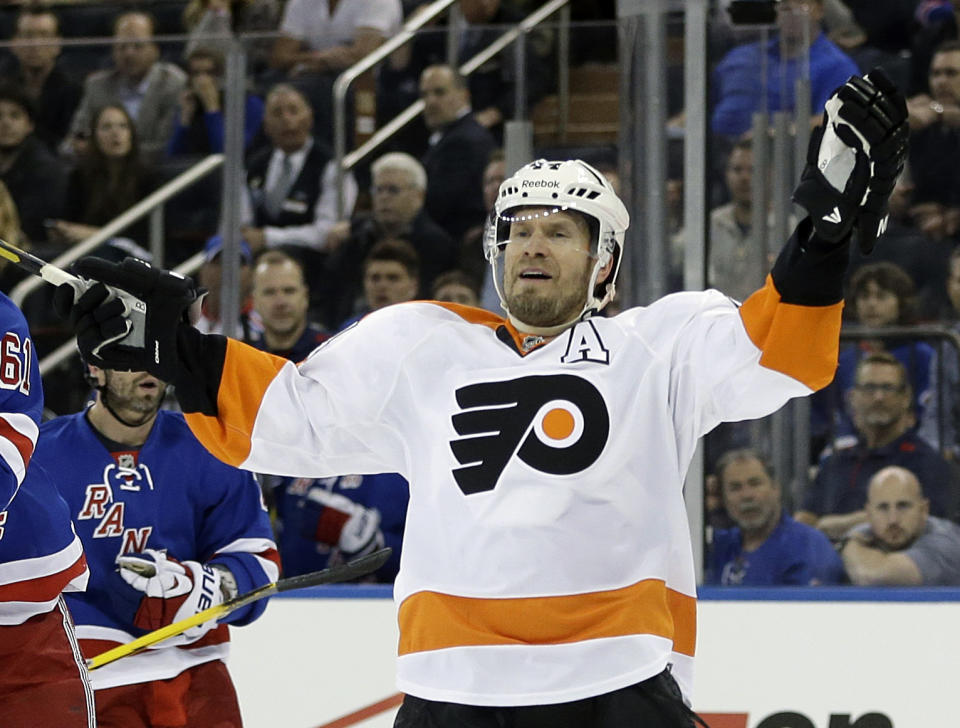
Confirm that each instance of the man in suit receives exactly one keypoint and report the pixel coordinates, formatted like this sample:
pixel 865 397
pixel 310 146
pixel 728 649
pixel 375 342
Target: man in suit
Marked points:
pixel 458 153
pixel 148 88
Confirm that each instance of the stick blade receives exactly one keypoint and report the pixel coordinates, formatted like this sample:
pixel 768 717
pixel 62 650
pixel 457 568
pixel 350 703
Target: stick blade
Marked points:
pixel 336 574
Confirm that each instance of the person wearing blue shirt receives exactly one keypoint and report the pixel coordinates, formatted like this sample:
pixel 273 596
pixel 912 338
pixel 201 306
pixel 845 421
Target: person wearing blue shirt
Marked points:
pixel 739 87
pixel 766 547
pixel 199 126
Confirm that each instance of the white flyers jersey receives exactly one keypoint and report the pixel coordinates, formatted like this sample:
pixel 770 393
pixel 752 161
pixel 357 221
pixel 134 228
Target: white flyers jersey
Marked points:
pixel 546 556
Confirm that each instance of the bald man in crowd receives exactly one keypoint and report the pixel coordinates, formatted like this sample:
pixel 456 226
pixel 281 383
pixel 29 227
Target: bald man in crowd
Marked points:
pixel 901 544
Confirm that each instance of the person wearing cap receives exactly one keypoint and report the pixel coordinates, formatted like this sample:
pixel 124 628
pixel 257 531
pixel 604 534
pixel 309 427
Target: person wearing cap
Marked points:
pixel 27 166
pixel 210 277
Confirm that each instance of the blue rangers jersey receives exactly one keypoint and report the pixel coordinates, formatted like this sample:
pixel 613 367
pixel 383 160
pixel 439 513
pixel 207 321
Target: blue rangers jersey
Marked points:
pixel 168 494
pixel 387 493
pixel 40 555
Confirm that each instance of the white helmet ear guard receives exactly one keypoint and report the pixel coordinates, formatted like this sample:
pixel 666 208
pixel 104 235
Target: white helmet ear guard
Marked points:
pixel 559 186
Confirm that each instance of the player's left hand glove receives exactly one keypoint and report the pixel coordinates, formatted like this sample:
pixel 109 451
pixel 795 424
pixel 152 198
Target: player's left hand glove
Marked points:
pixel 854 159
pixel 336 520
pixel 110 334
pixel 173 590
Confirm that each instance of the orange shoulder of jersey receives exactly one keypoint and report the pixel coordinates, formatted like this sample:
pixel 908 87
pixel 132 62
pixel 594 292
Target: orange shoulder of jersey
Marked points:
pixel 799 341
pixel 247 372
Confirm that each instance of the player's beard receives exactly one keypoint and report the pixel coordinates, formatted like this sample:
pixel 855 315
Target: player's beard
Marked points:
pixel 124 402
pixel 547 308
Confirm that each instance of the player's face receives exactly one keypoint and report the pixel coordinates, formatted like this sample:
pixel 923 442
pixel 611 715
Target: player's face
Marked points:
pixel 386 282
pixel 877 306
pixel 396 199
pixel 547 266
pixel 751 496
pixel 280 297
pixel 897 511
pixel 135 396
pixel 945 77
pixel 879 398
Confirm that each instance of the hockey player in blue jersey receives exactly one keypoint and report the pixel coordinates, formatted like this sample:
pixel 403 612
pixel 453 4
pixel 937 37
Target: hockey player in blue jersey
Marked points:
pixel 326 521
pixel 169 531
pixel 43 681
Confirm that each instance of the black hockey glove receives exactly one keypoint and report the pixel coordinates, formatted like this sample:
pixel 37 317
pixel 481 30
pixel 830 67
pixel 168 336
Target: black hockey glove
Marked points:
pixel 854 159
pixel 135 332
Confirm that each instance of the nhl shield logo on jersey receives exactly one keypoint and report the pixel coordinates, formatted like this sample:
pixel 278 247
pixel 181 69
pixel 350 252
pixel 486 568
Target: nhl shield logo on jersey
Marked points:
pixel 557 424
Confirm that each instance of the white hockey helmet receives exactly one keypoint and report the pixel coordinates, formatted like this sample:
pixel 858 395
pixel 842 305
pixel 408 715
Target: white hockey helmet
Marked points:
pixel 563 185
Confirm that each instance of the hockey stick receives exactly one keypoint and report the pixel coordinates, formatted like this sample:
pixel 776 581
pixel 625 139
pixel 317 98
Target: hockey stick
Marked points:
pixel 344 572
pixel 32 264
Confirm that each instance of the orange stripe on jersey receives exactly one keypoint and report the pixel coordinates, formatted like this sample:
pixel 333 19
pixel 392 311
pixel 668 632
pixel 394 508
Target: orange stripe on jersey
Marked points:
pixel 434 621
pixel 490 320
pixel 799 341
pixel 247 372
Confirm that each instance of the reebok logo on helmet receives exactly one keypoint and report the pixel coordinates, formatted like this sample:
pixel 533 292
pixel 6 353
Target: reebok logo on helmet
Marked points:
pixel 536 183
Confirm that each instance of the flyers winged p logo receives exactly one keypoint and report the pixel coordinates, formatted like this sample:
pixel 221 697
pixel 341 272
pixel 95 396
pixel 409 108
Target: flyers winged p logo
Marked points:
pixel 557 424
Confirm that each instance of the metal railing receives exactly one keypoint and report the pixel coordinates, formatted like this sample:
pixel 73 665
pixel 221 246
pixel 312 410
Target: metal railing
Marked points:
pixel 347 161
pixel 152 204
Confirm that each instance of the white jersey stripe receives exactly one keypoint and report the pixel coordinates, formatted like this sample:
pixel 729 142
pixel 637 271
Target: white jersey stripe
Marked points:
pixel 41 566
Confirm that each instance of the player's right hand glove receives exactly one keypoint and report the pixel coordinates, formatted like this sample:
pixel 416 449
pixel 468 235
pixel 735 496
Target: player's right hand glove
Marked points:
pixel 337 521
pixel 173 590
pixel 854 159
pixel 105 325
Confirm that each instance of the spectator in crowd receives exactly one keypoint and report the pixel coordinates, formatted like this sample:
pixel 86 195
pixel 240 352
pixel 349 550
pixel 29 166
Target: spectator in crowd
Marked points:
pixel 492 84
pixel 10 231
pixel 168 531
pixel 109 178
pixel 766 546
pixel 34 177
pixel 391 274
pixel 456 286
pixel 322 36
pixel 880 402
pixel 146 87
pixel 935 146
pixel 281 300
pixel 459 150
pixel 739 87
pixel 941 420
pixel 291 198
pixel 738 260
pixel 33 66
pixel 211 24
pixel 199 124
pixel 901 544
pixel 472 258
pixel 322 522
pixel 398 189
pixel 210 277
pixel 882 294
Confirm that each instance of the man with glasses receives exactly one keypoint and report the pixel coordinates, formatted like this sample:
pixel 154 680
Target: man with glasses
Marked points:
pixel 880 405
pixel 398 189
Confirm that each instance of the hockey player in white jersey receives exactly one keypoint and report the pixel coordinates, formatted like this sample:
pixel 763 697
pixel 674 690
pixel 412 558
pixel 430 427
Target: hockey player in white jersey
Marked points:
pixel 547 577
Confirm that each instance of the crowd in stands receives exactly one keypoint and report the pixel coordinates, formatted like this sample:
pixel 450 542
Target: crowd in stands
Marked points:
pixel 86 133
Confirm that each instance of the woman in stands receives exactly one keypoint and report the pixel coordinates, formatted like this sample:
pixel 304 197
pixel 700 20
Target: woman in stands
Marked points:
pixel 109 179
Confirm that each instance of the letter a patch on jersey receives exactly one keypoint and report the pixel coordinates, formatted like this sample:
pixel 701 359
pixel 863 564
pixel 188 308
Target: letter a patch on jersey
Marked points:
pixel 584 344
pixel 557 424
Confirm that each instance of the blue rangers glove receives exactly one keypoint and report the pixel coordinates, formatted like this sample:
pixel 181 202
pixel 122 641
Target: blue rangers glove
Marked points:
pixel 854 160
pixel 341 523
